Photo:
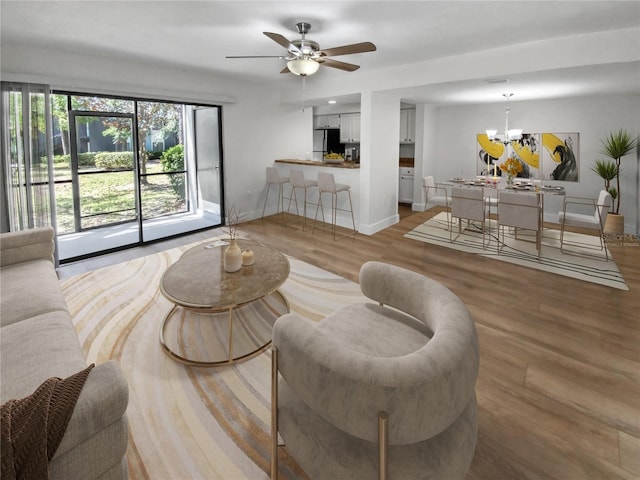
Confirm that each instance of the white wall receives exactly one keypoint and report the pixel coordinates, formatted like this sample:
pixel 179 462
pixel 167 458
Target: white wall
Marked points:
pixel 259 127
pixel 592 117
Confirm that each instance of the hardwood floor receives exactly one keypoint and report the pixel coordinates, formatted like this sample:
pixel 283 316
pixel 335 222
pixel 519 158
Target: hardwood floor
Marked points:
pixel 559 383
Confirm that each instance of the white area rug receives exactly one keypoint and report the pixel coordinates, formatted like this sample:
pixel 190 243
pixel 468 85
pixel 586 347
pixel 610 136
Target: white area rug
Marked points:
pixel 523 251
pixel 189 422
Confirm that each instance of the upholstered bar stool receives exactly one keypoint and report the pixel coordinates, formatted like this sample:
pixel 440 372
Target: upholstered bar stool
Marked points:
pixel 274 179
pixel 299 182
pixel 327 184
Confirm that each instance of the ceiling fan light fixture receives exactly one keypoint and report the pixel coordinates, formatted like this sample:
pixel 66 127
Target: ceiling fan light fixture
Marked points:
pixel 303 66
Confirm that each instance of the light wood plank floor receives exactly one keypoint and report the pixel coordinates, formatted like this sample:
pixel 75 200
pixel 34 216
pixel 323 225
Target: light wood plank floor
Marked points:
pixel 559 383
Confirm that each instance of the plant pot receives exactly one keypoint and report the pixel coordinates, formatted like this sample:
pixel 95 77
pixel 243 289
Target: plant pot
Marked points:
pixel 614 224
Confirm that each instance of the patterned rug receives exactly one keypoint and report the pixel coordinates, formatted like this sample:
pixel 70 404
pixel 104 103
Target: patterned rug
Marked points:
pixel 522 251
pixel 188 422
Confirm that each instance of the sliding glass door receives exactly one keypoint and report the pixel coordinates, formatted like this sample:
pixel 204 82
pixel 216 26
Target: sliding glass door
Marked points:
pixel 98 195
pixel 124 171
pixel 104 185
pixel 132 172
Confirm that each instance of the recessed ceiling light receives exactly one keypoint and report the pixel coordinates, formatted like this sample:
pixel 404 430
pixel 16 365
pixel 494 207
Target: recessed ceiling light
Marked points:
pixel 332 101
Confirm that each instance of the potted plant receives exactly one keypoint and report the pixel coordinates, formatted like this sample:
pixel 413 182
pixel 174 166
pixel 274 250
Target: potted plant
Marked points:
pixel 616 145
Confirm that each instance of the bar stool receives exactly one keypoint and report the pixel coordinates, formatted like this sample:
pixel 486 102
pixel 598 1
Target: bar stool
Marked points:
pixel 298 181
pixel 327 184
pixel 274 178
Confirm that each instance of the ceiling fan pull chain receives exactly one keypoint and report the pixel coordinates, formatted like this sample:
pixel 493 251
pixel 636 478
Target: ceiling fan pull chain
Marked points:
pixel 304 80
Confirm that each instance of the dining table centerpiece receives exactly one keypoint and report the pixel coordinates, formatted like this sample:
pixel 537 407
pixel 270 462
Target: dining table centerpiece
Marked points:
pixel 512 167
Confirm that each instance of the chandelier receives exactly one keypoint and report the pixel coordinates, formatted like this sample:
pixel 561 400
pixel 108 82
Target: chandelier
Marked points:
pixel 510 135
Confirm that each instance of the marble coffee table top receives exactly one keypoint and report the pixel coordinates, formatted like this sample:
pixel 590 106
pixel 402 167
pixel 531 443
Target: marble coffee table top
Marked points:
pixel 198 279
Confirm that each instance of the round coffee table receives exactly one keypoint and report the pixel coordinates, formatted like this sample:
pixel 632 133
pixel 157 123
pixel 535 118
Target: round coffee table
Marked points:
pixel 198 283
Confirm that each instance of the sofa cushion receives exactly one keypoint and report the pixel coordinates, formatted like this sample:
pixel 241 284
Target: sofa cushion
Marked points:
pixel 29 289
pixel 36 349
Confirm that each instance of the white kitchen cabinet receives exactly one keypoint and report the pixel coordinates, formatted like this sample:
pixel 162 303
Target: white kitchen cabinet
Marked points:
pixel 350 128
pixel 408 125
pixel 405 187
pixel 327 121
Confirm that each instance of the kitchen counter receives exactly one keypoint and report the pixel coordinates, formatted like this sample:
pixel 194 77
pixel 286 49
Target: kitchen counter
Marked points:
pixel 313 163
pixel 406 162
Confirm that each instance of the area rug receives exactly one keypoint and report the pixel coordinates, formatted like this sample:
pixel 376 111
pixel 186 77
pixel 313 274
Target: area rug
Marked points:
pixel 522 251
pixel 188 422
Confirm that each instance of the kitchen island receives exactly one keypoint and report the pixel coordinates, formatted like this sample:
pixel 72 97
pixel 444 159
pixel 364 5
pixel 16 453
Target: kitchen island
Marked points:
pixel 315 163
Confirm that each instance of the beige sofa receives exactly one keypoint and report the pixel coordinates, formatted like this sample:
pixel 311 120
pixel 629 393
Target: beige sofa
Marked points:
pixel 38 341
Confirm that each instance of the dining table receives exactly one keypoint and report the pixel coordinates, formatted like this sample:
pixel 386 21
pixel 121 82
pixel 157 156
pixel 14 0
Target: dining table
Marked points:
pixel 492 185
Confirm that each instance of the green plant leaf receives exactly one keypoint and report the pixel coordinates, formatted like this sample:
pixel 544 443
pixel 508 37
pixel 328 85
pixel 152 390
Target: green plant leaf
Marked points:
pixel 618 144
pixel 605 169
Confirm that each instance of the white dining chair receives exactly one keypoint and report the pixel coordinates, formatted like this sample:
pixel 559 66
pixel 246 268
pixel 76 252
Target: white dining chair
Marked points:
pixel 520 210
pixel 468 204
pixel 436 195
pixel 593 221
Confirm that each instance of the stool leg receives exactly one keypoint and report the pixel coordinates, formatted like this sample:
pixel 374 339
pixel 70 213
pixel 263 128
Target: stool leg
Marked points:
pixel 334 214
pixel 265 199
pixel 318 208
pixel 293 196
pixel 304 209
pixel 353 220
pixel 281 202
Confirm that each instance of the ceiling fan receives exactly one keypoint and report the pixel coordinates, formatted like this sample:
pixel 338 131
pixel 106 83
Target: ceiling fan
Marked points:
pixel 304 56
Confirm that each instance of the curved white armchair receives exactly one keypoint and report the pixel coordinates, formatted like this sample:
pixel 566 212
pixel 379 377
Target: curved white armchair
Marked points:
pixel 379 388
pixel 594 221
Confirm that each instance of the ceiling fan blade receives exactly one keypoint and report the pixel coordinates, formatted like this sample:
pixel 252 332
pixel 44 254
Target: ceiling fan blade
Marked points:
pixel 282 41
pixel 348 49
pixel 255 56
pixel 348 67
pixel 285 70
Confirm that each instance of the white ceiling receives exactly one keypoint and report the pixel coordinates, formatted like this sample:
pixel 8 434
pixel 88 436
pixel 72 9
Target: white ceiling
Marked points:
pixel 200 34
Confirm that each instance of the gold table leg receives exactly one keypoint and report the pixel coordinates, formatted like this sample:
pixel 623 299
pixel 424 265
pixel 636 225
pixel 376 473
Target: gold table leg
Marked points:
pixel 231 359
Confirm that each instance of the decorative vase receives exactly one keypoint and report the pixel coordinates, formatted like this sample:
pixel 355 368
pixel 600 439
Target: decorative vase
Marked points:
pixel 232 257
pixel 614 224
pixel 509 180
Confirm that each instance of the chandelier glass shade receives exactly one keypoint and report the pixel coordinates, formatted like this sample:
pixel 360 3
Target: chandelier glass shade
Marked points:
pixel 510 134
pixel 303 66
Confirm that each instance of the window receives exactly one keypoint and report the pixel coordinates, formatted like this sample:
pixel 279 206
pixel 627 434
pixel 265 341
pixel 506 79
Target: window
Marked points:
pixel 124 171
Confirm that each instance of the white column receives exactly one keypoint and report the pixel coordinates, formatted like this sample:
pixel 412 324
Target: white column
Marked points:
pixel 379 156
pixel 426 159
